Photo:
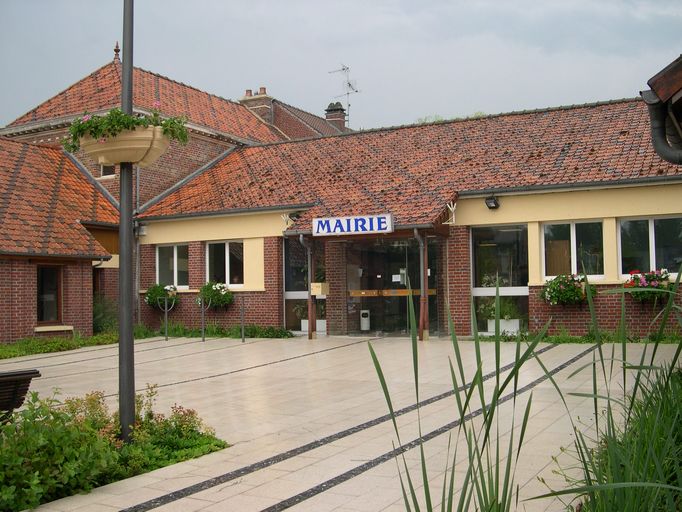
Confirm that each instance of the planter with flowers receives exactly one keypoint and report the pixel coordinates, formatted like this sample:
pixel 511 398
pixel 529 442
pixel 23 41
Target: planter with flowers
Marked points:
pixel 215 295
pixel 647 286
pixel 157 294
pixel 118 137
pixel 566 289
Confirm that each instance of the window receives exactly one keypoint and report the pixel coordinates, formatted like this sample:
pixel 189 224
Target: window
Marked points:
pixel 49 295
pixel 107 170
pixel 172 265
pixel 225 262
pixel 648 244
pixel 572 247
pixel 500 254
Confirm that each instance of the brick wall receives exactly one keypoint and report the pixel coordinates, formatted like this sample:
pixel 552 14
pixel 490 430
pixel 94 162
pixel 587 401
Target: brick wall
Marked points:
pixel 261 308
pixel 576 318
pixel 19 298
pixel 337 300
pixel 458 261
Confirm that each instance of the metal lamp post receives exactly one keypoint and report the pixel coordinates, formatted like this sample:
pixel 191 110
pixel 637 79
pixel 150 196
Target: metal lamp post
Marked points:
pixel 126 353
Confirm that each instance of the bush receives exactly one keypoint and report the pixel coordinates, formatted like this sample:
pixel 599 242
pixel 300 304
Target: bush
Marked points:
pixel 50 452
pixel 29 346
pixel 565 289
pixel 156 295
pixel 215 294
pixel 104 314
pixel 46 454
pixel 255 331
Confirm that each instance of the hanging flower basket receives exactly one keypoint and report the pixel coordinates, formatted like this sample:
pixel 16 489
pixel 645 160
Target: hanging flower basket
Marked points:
pixel 141 146
pixel 118 137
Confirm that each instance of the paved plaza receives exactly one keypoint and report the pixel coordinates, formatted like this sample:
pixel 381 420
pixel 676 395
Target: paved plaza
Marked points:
pixel 307 419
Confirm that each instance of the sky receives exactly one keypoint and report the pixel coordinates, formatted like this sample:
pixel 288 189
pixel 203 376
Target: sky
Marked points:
pixel 409 59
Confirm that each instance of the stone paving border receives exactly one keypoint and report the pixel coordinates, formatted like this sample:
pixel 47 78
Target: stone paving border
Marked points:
pixel 275 459
pixel 343 477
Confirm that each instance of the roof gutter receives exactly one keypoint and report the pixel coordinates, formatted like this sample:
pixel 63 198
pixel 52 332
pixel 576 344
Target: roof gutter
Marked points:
pixel 658 112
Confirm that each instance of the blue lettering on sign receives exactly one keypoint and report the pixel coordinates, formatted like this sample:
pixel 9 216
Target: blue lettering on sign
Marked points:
pixel 323 225
pixel 355 224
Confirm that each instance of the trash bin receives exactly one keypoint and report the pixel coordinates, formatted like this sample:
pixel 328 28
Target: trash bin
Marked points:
pixel 364 319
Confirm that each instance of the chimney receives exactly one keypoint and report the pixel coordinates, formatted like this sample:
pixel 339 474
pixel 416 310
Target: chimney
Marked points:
pixel 336 115
pixel 259 103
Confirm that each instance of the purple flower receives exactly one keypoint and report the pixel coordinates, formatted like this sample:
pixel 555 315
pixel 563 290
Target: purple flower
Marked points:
pixel 86 117
pixel 156 104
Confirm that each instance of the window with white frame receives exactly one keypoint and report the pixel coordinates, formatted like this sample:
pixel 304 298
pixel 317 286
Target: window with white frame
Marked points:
pixel 573 246
pixel 225 262
pixel 649 244
pixel 172 265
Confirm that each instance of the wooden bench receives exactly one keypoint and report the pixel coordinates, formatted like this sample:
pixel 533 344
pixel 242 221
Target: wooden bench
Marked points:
pixel 13 388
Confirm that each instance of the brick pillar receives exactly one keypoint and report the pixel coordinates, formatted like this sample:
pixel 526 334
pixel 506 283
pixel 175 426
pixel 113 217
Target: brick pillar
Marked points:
pixel 77 297
pixel 459 278
pixel 197 265
pixel 441 287
pixel 335 263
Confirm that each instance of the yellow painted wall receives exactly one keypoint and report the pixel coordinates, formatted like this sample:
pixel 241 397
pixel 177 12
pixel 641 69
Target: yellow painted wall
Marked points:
pixel 607 205
pixel 228 227
pixel 112 263
pixel 250 228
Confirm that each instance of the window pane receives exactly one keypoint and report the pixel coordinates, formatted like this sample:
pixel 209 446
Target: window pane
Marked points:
pixel 513 314
pixel 236 262
pixel 588 242
pixel 216 262
pixel 557 249
pixel 48 294
pixel 295 267
pixel 668 239
pixel 503 252
pixel 183 265
pixel 165 265
pixel 634 245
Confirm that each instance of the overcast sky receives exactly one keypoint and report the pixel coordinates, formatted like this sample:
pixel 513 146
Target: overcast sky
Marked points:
pixel 409 58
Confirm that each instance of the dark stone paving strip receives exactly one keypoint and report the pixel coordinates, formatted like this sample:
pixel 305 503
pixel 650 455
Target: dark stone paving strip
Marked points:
pixel 137 363
pixel 269 363
pixel 270 461
pixel 333 482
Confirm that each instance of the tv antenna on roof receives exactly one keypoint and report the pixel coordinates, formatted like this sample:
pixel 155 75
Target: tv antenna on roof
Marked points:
pixel 349 86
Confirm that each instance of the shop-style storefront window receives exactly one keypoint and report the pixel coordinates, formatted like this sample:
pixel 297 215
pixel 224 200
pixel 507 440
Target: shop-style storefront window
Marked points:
pixel 648 244
pixel 225 262
pixel 500 257
pixel 172 265
pixel 572 247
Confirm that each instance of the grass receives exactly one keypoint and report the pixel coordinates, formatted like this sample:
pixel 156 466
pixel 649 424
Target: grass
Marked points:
pixel 31 346
pixel 632 463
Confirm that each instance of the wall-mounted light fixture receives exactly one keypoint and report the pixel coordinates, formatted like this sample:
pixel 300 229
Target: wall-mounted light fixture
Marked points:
pixel 492 203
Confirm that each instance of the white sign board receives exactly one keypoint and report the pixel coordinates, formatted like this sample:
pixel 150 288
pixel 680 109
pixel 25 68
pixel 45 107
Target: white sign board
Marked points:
pixel 358 225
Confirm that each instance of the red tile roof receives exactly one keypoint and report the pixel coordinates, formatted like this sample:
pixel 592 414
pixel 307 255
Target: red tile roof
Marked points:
pixel 101 90
pixel 44 201
pixel 413 171
pixel 298 124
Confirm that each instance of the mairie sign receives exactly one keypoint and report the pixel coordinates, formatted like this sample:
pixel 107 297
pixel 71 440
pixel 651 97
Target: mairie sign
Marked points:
pixel 358 225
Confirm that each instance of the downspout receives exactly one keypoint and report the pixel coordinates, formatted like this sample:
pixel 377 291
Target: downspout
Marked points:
pixel 658 112
pixel 423 295
pixel 136 298
pixel 311 305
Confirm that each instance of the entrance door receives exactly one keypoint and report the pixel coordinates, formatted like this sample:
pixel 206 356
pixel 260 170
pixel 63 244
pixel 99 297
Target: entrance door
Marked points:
pixel 382 277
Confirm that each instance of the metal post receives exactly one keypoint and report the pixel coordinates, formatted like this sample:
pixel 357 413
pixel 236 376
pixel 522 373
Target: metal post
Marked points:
pixel 165 315
pixel 203 319
pixel 242 314
pixel 126 352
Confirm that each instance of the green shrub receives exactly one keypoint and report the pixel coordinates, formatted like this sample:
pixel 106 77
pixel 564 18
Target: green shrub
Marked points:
pixel 104 314
pixel 255 331
pixel 50 452
pixel 47 454
pixel 215 294
pixel 141 331
pixel 29 346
